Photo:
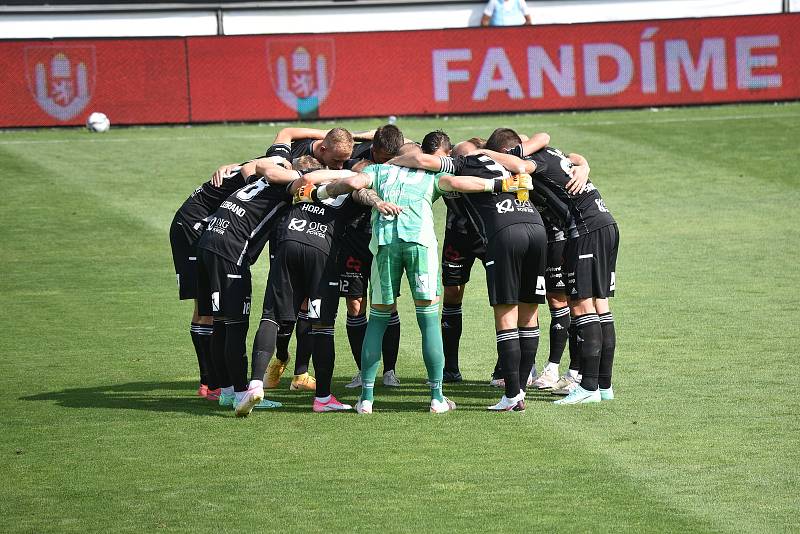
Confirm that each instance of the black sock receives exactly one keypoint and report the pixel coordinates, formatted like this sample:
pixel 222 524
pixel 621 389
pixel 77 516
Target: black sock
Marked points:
pixel 607 350
pixel 588 337
pixel 236 353
pixel 498 368
pixel 201 339
pixel 305 344
pixel 391 342
pixel 559 333
pixel 574 356
pixel 263 347
pixel 451 336
pixel 356 329
pixel 218 355
pixel 282 342
pixel 324 356
pixel 528 345
pixel 508 350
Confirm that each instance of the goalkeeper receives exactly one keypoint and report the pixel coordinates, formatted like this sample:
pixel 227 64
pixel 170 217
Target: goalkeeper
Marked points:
pixel 407 242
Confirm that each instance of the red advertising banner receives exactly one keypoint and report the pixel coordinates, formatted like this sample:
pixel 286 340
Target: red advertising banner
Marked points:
pixel 475 70
pixel 134 81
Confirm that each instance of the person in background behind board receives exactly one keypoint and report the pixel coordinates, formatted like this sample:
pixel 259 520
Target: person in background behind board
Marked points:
pixel 506 13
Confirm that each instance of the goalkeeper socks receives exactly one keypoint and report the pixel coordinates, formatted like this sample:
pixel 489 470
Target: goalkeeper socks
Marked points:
pixel 608 346
pixel 263 347
pixel 282 343
pixel 371 351
pixel 432 351
pixel 324 356
pixel 589 339
pixel 559 333
pixel 451 335
pixel 508 350
pixel 201 339
pixel 218 355
pixel 356 330
pixel 236 353
pixel 528 345
pixel 305 343
pixel 391 343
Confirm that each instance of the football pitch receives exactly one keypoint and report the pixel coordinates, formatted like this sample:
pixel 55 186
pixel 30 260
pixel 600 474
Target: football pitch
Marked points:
pixel 102 431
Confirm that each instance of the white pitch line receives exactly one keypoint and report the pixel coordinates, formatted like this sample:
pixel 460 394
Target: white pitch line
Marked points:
pixel 650 121
pixel 656 121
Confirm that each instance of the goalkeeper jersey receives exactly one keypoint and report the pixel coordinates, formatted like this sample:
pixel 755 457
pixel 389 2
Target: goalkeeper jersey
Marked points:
pixel 413 190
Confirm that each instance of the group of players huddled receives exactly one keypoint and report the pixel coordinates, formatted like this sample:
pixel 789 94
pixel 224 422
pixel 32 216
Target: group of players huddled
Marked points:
pixel 344 214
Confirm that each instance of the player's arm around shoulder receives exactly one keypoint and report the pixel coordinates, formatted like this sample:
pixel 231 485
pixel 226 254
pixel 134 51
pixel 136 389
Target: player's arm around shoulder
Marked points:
pixel 512 163
pixel 475 184
pixel 287 135
pixel 579 173
pixel 417 160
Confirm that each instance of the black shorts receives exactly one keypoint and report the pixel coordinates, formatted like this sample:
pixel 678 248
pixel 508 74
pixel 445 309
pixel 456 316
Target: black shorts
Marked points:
pixel 182 240
pixel 554 277
pixel 298 272
pixel 354 264
pixel 223 288
pixel 590 262
pixel 515 265
pixel 458 254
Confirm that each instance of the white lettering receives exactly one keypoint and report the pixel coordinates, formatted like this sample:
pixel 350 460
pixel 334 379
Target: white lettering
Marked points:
pixel 539 63
pixel 746 61
pixel 495 60
pixel 443 76
pixel 647 53
pixel 712 52
pixel 591 68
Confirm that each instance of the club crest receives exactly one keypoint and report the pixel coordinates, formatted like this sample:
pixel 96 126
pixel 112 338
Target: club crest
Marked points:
pixel 302 72
pixel 61 79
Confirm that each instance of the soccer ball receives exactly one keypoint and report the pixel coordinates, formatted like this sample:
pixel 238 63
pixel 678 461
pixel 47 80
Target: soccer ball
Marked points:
pixel 98 122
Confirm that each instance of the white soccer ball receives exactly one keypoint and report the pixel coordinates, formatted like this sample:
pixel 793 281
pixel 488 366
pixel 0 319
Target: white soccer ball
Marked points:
pixel 98 122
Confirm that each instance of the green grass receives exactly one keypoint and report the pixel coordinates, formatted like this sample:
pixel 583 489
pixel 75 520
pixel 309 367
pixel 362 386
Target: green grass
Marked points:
pixel 101 431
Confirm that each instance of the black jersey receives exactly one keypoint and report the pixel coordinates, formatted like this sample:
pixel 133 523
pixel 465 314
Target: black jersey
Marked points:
pixel 490 212
pixel 246 215
pixel 555 214
pixel 361 151
pixel 319 223
pixel 301 147
pixel 206 199
pixel 587 211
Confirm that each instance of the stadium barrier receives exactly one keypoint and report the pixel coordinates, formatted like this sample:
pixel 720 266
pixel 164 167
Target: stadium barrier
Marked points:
pixel 475 70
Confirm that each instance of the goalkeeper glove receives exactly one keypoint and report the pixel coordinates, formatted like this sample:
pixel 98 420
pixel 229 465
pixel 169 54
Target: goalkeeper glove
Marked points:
pixel 514 183
pixel 304 194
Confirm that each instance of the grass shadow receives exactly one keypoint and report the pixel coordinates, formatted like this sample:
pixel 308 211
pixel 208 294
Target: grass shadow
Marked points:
pixel 174 396
pixel 178 397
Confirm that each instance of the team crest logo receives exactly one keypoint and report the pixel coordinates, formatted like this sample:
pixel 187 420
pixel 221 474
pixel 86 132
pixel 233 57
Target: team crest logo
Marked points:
pixel 302 73
pixel 61 79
